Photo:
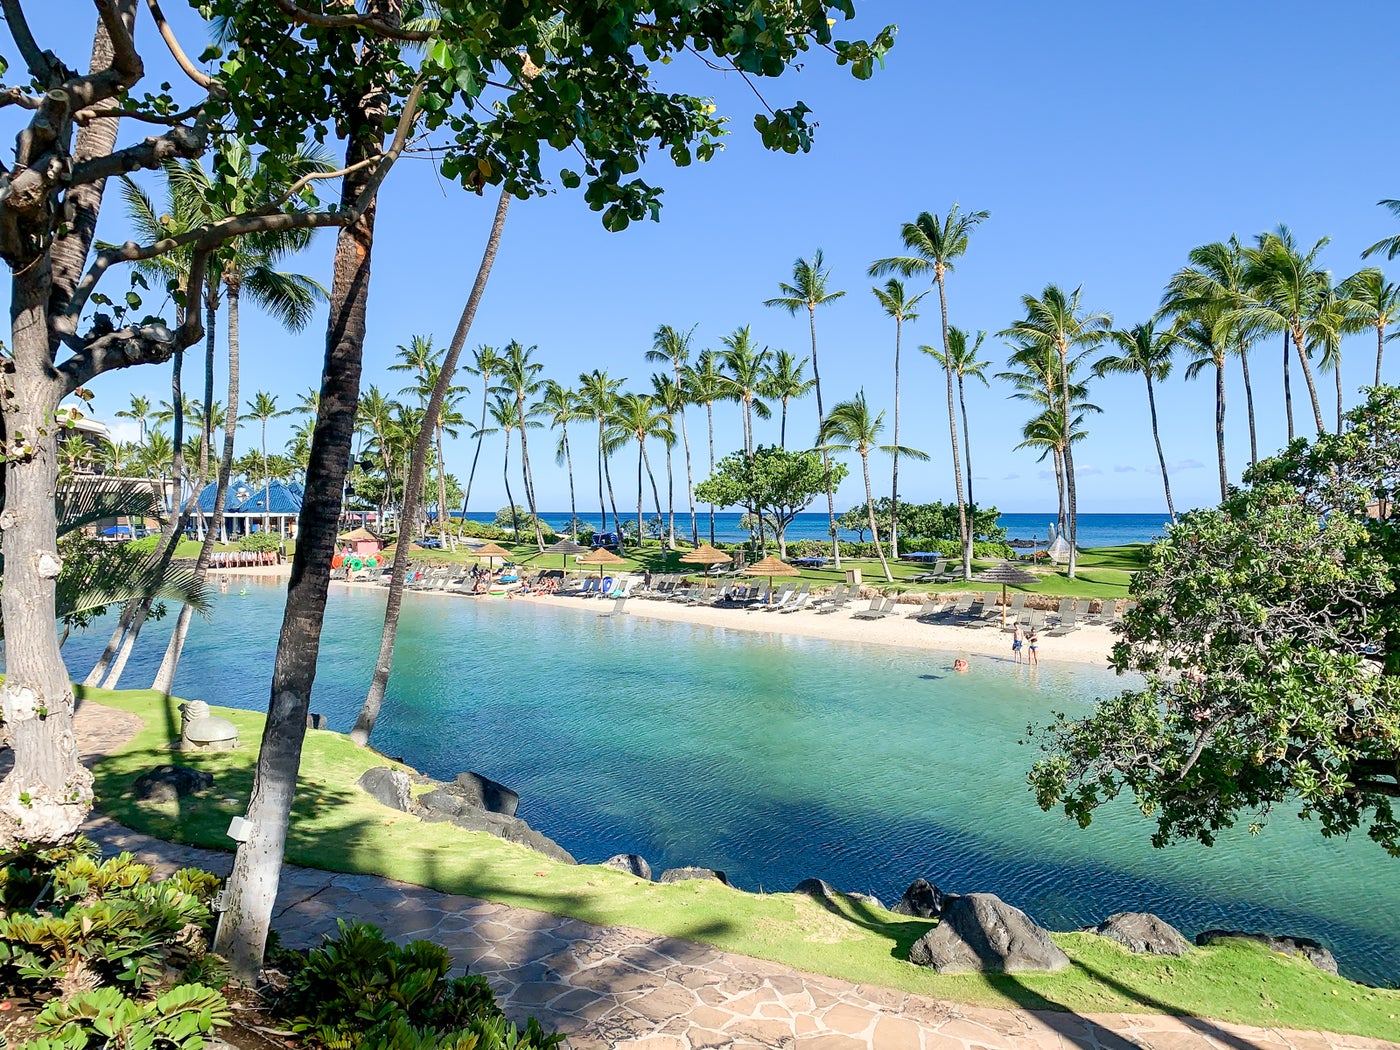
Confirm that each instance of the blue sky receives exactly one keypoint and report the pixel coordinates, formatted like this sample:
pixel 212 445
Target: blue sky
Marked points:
pixel 1105 139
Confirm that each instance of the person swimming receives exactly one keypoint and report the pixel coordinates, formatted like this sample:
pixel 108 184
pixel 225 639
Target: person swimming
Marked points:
pixel 960 665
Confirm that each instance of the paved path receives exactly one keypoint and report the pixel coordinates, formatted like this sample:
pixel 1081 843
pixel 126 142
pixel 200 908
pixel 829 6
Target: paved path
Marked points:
pixel 612 986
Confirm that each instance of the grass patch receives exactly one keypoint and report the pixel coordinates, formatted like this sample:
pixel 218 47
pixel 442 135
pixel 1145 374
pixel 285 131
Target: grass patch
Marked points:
pixel 338 828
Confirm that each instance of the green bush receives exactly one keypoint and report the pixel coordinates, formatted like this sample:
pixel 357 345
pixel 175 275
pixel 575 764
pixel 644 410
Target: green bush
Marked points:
pixel 176 1020
pixel 360 990
pixel 481 530
pixel 260 542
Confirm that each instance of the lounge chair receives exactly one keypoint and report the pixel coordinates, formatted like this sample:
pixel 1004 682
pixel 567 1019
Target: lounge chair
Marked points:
pixel 929 608
pixel 838 594
pixel 780 600
pixel 1035 621
pixel 961 608
pixel 1013 611
pixel 939 570
pixel 618 605
pixel 800 602
pixel 838 599
pixel 1068 622
pixel 788 596
pixel 879 609
pixel 1066 604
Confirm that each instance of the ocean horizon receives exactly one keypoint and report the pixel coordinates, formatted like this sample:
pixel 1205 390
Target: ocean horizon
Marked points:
pixel 1095 530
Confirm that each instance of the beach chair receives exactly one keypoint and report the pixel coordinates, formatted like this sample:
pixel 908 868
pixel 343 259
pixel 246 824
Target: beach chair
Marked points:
pixel 1066 604
pixel 786 597
pixel 802 600
pixel 625 589
pixel 959 609
pixel 776 600
pixel 1068 621
pixel 837 599
pixel 1013 612
pixel 929 608
pixel 1035 621
pixel 878 610
pixel 591 586
pixel 939 570
pixel 1108 612
pixel 837 594
pixel 618 605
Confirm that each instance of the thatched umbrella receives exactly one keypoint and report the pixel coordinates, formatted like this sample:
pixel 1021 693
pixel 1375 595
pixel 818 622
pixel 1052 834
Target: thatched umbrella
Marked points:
pixel 705 555
pixel 1003 574
pixel 601 556
pixel 490 551
pixel 771 566
pixel 565 548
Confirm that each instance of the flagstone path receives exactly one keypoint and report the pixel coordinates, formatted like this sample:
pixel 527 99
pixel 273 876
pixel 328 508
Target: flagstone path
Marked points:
pixel 612 986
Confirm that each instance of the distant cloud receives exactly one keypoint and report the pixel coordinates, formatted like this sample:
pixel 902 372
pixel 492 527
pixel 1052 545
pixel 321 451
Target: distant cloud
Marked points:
pixel 123 429
pixel 1087 472
pixel 1184 464
pixel 1124 468
pixel 1045 475
pixel 1011 477
pixel 980 477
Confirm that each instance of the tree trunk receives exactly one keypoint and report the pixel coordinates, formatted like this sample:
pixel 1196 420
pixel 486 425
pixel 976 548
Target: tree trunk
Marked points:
pixel 1220 428
pixel 964 533
pixel 1308 378
pixel 569 464
pixel 1249 406
pixel 525 469
pixel 432 417
pixel 640 534
pixel 782 426
pixel 1380 349
pixel 1339 385
pixel 104 661
pixel 510 500
pixel 480 434
pixel 252 886
pixel 47 794
pixel 894 458
pixel 602 504
pixel 1066 407
pixel 967 453
pixel 1060 487
pixel 1157 439
pixel 442 490
pixel 670 501
pixel 612 498
pixel 870 509
pixel 710 419
pixel 165 677
pixel 689 476
pixel 655 493
pixel 826 456
pixel 1287 388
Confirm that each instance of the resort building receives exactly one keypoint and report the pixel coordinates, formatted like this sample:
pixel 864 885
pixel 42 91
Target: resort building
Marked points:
pixel 250 508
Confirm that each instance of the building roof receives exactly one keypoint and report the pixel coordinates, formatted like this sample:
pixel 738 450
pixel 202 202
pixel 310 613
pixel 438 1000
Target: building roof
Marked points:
pixel 358 535
pixel 244 497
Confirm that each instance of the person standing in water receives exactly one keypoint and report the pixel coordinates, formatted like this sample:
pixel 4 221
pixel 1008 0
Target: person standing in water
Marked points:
pixel 1032 644
pixel 1017 642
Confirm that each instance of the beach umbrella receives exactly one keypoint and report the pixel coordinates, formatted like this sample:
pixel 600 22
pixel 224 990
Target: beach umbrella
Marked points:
pixel 705 555
pixel 565 548
pixel 771 566
pixel 489 551
pixel 601 556
pixel 1003 574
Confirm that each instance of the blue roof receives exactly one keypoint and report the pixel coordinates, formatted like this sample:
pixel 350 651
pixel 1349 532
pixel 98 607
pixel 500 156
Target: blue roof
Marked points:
pixel 243 497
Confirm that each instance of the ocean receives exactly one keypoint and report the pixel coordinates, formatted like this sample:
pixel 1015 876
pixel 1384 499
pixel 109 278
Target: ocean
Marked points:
pixel 1095 530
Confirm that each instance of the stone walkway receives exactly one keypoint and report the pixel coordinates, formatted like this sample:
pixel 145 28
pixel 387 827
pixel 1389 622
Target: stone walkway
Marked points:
pixel 619 987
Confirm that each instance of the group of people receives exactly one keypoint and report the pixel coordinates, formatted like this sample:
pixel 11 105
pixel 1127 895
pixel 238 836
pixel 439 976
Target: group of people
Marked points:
pixel 1025 646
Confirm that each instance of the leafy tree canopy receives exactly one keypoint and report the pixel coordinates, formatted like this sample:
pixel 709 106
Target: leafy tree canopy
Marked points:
pixel 1267 632
pixel 930 521
pixel 780 482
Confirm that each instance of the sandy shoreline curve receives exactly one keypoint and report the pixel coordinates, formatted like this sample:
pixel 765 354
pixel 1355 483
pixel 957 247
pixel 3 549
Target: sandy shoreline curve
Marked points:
pixel 1090 645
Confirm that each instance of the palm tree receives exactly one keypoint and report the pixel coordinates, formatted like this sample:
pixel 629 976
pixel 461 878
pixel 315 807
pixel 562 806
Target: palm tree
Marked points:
pixel 139 412
pixel 1285 289
pixel 1214 283
pixel 74 454
pixel 785 380
pixel 116 457
pixel 705 384
pixel 963 360
pixel 850 426
pixel 505 413
pixel 900 306
pixel 263 407
pixel 808 290
pixel 561 406
pixel 1147 351
pixel 746 367
pixel 1058 321
pixel 374 415
pixel 636 417
pixel 519 376
pixel 1334 317
pixel 598 396
pixel 671 345
pixel 485 363
pixel 1378 302
pixel 932 243
pixel 1389 245
pixel 670 398
pixel 417 357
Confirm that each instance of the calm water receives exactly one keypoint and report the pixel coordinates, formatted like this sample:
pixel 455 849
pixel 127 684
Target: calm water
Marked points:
pixel 1095 530
pixel 779 759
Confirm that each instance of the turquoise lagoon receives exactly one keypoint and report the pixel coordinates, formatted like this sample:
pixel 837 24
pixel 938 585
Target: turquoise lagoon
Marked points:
pixel 776 759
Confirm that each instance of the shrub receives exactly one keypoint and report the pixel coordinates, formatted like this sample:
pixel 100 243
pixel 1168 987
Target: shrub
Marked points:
pixel 176 1020
pixel 260 542
pixel 360 990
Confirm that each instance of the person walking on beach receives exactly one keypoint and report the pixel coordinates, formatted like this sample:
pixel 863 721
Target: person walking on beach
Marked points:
pixel 1032 644
pixel 1017 641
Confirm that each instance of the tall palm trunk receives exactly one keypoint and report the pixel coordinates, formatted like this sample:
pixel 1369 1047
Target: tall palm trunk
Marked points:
pixel 251 888
pixel 1060 487
pixel 870 509
pixel 894 456
pixel 165 677
pixel 640 448
pixel 1339 385
pixel 967 440
pixel 710 419
pixel 782 426
pixel 1380 349
pixel 964 532
pixel 1249 406
pixel 1220 428
pixel 670 501
pixel 1156 438
pixel 1308 378
pixel 826 456
pixel 602 505
pixel 525 469
pixel 1069 460
pixel 510 500
pixel 432 421
pixel 689 476
pixel 442 492
pixel 480 434
pixel 1287 387
pixel 569 463
pixel 655 493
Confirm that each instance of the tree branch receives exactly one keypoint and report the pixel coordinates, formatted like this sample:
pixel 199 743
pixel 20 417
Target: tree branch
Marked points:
pixel 177 52
pixel 87 116
pixel 16 97
pixel 179 142
pixel 124 71
pixel 44 66
pixel 373 25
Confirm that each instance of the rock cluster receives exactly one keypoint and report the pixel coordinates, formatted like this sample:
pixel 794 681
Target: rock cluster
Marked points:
pixel 1308 948
pixel 1142 933
pixel 981 932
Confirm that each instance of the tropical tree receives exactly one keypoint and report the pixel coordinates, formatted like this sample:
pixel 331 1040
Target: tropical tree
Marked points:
pixel 673 346
pixel 1377 302
pixel 116 457
pixel 670 399
pixel 851 427
pixel 1057 321
pixel 520 377
pixel 485 364
pixel 745 372
pixel 1145 350
pixel 1389 245
pixel 263 408
pixel 963 359
pixel 931 244
pixel 74 454
pixel 598 396
pixel 560 406
pixel 374 416
pixel 138 412
pixel 1285 290
pixel 784 380
pixel 505 414
pixel 899 305
pixel 705 384
pixel 636 417
pixel 807 291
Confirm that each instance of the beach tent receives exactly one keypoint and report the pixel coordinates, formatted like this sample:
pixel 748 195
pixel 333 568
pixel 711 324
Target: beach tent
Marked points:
pixel 1058 549
pixel 361 542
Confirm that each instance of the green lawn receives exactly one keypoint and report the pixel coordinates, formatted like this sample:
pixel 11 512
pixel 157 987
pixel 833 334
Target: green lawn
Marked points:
pixel 336 827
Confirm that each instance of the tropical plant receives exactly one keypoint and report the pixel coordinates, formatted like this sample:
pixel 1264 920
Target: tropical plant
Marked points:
pixel 807 291
pixel 263 408
pixel 485 364
pixel 1147 351
pixel 597 396
pixel 670 399
pixel 1378 302
pixel 636 417
pixel 1334 317
pixel 1389 245
pixel 900 306
pixel 560 406
pixel 745 370
pixel 1057 321
pixel 705 384
pixel 962 358
pixel 784 380
pixel 850 426
pixel 781 483
pixel 138 412
pixel 931 244
pixel 673 346
pixel 520 377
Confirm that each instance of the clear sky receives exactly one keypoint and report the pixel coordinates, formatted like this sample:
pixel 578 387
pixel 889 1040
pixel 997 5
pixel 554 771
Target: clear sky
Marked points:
pixel 1105 139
